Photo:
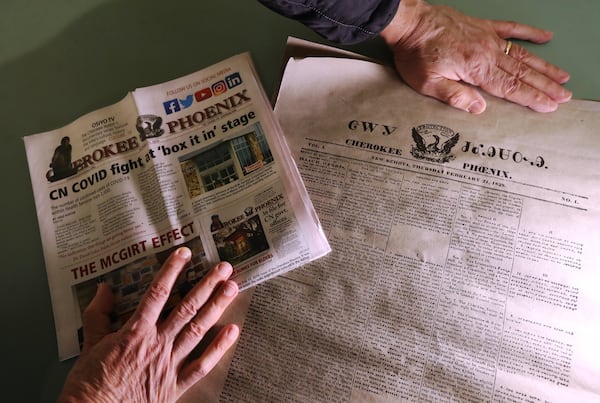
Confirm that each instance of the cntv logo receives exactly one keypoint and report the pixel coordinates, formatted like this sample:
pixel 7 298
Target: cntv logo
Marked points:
pixel 218 88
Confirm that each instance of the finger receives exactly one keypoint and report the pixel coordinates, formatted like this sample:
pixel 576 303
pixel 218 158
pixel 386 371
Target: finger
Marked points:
pixel 194 300
pixel 512 88
pixel 153 301
pixel 206 318
pixel 518 55
pixel 200 367
pixel 96 317
pixel 510 29
pixel 522 85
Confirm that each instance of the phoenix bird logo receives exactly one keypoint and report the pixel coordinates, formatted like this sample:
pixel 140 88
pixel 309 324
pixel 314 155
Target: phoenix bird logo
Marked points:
pixel 148 126
pixel 433 143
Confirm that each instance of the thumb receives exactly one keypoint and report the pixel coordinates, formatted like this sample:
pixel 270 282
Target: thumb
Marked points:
pixel 96 317
pixel 454 93
pixel 459 95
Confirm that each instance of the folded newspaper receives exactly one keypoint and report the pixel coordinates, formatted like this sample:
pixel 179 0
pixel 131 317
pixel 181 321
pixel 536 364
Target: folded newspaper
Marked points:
pixel 198 161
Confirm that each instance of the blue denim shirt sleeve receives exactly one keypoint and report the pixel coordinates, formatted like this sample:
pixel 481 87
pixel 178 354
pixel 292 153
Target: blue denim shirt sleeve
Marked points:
pixel 340 21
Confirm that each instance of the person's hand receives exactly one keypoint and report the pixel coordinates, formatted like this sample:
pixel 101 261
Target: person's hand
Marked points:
pixel 147 360
pixel 437 50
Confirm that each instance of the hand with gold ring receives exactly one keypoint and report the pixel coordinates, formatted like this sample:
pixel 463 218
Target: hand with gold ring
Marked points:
pixel 443 53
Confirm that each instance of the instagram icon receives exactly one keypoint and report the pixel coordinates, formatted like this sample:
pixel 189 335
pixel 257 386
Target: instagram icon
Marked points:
pixel 219 87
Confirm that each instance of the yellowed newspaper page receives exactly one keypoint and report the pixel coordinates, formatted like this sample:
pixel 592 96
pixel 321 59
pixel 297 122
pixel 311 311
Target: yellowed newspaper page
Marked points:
pixel 465 262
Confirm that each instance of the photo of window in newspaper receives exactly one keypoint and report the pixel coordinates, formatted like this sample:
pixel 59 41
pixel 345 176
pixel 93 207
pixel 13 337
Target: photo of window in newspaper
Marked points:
pixel 225 162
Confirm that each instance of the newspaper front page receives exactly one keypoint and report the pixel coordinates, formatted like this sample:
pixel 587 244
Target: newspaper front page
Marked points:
pixel 199 161
pixel 465 250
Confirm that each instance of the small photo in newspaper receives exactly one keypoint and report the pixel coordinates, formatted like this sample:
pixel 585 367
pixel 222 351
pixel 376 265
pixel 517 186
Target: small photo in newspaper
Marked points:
pixel 130 282
pixel 240 238
pixel 225 162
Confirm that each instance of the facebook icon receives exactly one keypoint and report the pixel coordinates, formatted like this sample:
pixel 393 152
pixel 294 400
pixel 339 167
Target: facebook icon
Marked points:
pixel 171 106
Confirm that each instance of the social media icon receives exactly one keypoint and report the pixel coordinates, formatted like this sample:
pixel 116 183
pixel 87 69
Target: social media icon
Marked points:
pixel 233 80
pixel 187 101
pixel 171 106
pixel 219 87
pixel 203 94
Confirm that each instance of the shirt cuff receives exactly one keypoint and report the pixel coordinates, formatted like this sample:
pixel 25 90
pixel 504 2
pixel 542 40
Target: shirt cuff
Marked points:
pixel 343 22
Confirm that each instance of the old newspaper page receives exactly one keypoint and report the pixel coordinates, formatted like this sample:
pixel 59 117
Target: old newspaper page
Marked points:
pixel 465 262
pixel 199 160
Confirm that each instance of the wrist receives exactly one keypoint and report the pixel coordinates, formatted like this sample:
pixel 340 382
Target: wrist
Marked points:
pixel 407 18
pixel 84 395
pixel 79 388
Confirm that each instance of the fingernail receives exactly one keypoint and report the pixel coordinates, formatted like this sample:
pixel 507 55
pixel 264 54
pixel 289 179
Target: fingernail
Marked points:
pixel 184 252
pixel 233 331
pixel 566 95
pixel 229 288
pixel 224 267
pixel 476 107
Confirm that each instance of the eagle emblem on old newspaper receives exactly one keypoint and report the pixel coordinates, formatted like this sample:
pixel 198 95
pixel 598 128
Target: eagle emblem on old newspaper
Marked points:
pixel 433 143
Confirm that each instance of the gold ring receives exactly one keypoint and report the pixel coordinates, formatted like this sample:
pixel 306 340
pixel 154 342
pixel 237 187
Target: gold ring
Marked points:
pixel 507 47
